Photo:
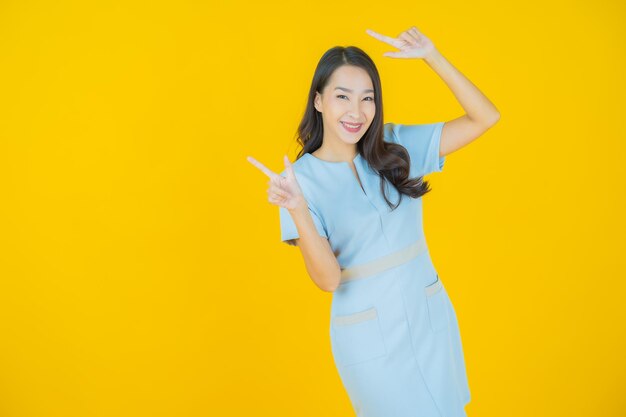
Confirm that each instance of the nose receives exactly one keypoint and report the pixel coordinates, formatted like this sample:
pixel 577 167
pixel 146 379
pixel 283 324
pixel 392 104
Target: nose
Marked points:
pixel 355 111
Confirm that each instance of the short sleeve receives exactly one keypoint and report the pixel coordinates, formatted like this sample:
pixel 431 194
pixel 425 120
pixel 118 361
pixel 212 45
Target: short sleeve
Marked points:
pixel 288 230
pixel 422 141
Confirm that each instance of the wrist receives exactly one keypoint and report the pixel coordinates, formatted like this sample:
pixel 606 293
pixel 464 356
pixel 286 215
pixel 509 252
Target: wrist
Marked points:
pixel 301 206
pixel 433 57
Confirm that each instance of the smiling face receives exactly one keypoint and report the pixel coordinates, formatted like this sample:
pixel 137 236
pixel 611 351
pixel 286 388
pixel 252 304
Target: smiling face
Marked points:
pixel 347 105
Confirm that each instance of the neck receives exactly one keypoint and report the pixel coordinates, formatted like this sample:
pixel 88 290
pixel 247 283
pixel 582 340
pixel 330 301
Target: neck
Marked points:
pixel 336 152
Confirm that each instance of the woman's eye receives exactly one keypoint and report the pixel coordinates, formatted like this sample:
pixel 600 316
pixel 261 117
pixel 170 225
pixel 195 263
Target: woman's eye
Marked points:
pixel 370 98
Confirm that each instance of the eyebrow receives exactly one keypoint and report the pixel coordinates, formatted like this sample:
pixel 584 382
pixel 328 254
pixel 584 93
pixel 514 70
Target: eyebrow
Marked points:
pixel 350 91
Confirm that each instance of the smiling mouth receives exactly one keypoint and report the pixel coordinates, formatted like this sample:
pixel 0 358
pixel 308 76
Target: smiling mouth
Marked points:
pixel 352 128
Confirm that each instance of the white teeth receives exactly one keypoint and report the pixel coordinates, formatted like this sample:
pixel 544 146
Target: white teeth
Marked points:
pixel 351 126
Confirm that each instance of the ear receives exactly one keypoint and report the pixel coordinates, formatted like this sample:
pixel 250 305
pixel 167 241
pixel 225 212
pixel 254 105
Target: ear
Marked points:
pixel 317 102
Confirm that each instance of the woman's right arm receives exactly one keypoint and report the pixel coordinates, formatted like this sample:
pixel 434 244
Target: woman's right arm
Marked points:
pixel 319 259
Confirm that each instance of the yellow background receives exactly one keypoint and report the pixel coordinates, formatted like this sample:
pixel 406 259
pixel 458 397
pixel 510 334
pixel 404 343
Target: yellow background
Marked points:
pixel 141 267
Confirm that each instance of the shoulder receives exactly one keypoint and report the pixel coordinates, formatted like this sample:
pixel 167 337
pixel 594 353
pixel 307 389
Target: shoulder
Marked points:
pixel 419 139
pixel 392 132
pixel 395 131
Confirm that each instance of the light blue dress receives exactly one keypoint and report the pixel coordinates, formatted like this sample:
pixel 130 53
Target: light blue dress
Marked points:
pixel 394 335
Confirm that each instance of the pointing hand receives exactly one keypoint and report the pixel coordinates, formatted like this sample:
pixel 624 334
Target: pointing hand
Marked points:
pixel 412 44
pixel 283 191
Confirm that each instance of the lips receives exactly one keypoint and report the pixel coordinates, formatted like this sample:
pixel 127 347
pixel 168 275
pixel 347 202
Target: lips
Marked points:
pixel 352 128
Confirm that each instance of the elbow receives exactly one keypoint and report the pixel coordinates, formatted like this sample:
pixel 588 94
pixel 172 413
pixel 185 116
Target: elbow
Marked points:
pixel 494 119
pixel 326 273
pixel 331 284
pixel 488 121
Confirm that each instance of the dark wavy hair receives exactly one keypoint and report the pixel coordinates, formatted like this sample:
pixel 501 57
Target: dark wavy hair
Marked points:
pixel 390 160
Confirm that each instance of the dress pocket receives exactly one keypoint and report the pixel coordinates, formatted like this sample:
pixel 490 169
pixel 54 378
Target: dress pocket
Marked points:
pixel 437 312
pixel 357 337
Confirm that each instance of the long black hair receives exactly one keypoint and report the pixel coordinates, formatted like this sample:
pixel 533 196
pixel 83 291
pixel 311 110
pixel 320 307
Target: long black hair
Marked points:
pixel 390 160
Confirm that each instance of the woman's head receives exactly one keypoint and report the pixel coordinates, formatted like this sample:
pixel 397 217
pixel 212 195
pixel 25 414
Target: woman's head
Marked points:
pixel 346 87
pixel 346 104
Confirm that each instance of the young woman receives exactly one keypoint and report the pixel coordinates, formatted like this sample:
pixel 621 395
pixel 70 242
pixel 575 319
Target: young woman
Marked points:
pixel 352 203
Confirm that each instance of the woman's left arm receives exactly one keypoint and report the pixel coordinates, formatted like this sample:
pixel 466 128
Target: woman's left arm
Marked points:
pixel 480 115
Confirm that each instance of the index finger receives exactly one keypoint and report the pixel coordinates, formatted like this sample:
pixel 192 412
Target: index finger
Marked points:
pixel 262 167
pixel 387 39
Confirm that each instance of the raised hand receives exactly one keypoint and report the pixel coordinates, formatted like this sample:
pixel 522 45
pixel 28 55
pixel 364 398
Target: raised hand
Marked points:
pixel 412 44
pixel 283 191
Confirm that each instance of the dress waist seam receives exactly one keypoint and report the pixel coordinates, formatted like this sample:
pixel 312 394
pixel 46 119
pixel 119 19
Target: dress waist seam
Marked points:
pixel 385 262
